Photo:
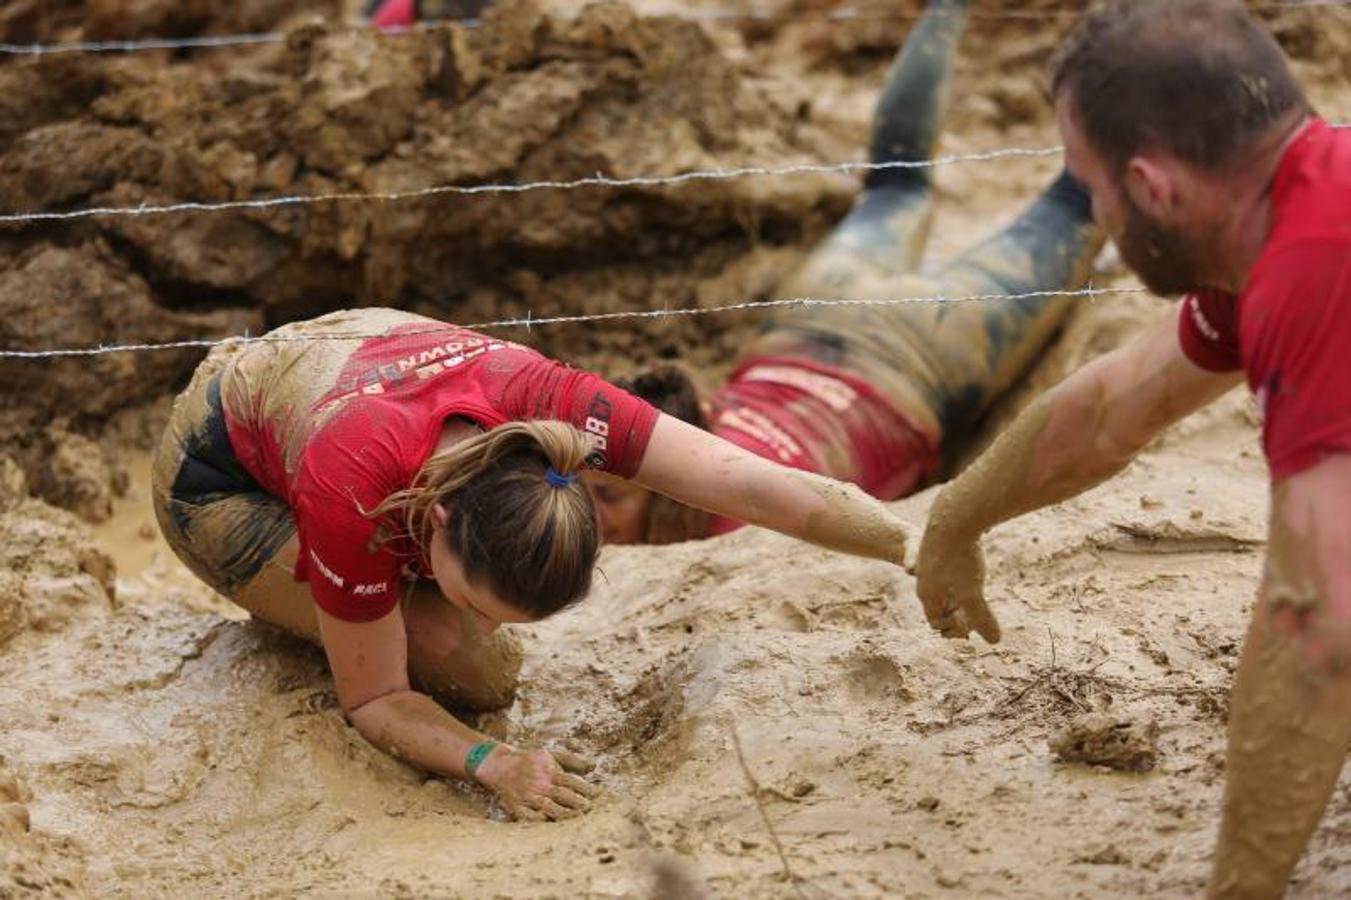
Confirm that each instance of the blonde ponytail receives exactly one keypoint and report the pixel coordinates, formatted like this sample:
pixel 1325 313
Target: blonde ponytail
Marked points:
pixel 533 542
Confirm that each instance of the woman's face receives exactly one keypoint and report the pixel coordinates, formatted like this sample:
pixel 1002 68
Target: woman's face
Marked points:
pixel 479 604
pixel 621 505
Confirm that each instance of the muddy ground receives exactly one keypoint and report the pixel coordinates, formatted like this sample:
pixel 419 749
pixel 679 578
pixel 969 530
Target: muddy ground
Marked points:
pixel 769 721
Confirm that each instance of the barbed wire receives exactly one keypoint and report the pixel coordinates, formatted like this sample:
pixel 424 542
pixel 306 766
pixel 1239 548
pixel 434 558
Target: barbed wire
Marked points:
pixel 530 321
pixel 714 15
pixel 597 180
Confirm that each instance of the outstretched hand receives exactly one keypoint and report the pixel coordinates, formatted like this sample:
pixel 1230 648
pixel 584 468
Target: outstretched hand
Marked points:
pixel 950 575
pixel 537 784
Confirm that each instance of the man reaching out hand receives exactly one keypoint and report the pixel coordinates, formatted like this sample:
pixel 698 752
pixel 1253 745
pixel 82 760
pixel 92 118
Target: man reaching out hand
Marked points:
pixel 1208 168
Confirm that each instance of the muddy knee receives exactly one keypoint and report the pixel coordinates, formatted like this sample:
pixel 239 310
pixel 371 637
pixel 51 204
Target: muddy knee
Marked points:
pixel 479 676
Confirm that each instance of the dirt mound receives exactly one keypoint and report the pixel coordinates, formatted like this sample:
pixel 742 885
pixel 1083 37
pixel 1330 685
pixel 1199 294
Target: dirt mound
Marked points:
pixel 51 571
pixel 47 21
pixel 31 865
pixel 523 98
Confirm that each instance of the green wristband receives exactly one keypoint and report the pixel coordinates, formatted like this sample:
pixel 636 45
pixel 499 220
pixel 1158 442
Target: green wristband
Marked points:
pixel 475 757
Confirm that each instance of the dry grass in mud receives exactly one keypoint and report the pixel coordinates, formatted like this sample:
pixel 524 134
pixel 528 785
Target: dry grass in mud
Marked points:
pixel 769 720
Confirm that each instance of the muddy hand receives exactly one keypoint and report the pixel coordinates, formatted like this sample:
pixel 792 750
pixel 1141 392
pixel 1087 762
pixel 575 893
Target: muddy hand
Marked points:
pixel 951 585
pixel 533 785
pixel 574 762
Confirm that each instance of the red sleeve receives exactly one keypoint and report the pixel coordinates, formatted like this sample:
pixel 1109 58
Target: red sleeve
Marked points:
pixel 1297 331
pixel 352 574
pixel 620 423
pixel 1207 328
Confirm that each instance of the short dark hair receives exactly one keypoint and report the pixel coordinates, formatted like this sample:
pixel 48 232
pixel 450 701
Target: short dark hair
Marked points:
pixel 1200 79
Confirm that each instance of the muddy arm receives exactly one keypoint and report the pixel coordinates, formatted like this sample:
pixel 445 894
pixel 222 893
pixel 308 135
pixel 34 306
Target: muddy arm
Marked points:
pixel 700 470
pixel 1072 438
pixel 370 671
pixel 1290 716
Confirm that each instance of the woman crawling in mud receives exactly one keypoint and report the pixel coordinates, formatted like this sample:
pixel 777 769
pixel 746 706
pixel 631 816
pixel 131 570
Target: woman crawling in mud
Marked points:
pixel 874 395
pixel 394 488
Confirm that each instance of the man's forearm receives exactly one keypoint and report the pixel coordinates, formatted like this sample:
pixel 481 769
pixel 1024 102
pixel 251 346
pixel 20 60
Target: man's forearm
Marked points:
pixel 1287 742
pixel 1080 433
pixel 1055 449
pixel 1290 716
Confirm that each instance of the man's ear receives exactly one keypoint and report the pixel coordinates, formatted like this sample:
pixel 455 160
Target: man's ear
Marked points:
pixel 440 515
pixel 1152 185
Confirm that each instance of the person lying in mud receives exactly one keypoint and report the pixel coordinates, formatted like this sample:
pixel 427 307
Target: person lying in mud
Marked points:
pixel 394 488
pixel 874 395
pixel 1218 182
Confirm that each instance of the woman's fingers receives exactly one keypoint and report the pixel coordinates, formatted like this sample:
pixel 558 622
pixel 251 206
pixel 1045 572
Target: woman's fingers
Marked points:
pixel 580 785
pixel 554 811
pixel 565 796
pixel 574 762
pixel 522 813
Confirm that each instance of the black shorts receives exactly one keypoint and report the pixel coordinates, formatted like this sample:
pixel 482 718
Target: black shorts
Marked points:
pixel 217 519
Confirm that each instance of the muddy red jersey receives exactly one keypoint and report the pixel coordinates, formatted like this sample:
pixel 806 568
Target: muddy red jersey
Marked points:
pixel 1290 328
pixel 815 417
pixel 337 413
pixel 395 14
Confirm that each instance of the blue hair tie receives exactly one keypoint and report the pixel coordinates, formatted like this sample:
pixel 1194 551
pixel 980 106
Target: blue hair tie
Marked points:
pixel 559 481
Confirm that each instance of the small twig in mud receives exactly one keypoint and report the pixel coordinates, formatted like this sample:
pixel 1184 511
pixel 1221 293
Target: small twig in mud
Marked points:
pixel 793 878
pixel 1068 686
pixel 1045 673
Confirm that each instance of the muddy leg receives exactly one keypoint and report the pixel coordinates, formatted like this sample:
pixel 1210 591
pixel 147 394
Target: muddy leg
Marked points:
pixel 1048 247
pixel 980 348
pixel 451 661
pixel 910 109
pixel 275 597
pixel 886 232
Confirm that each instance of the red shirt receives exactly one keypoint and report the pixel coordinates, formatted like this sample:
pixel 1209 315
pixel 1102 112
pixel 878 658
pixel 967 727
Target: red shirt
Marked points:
pixel 815 417
pixel 394 14
pixel 1290 328
pixel 334 427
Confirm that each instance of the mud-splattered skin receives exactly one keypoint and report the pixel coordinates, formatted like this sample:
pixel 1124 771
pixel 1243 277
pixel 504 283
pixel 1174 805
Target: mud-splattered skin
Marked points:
pixel 1290 718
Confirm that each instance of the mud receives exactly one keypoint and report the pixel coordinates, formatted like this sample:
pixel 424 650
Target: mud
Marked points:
pixel 525 97
pixel 1104 740
pixel 160 745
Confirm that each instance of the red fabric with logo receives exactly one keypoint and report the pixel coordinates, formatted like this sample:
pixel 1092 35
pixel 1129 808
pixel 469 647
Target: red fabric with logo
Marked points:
pixel 384 416
pixel 1290 329
pixel 814 417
